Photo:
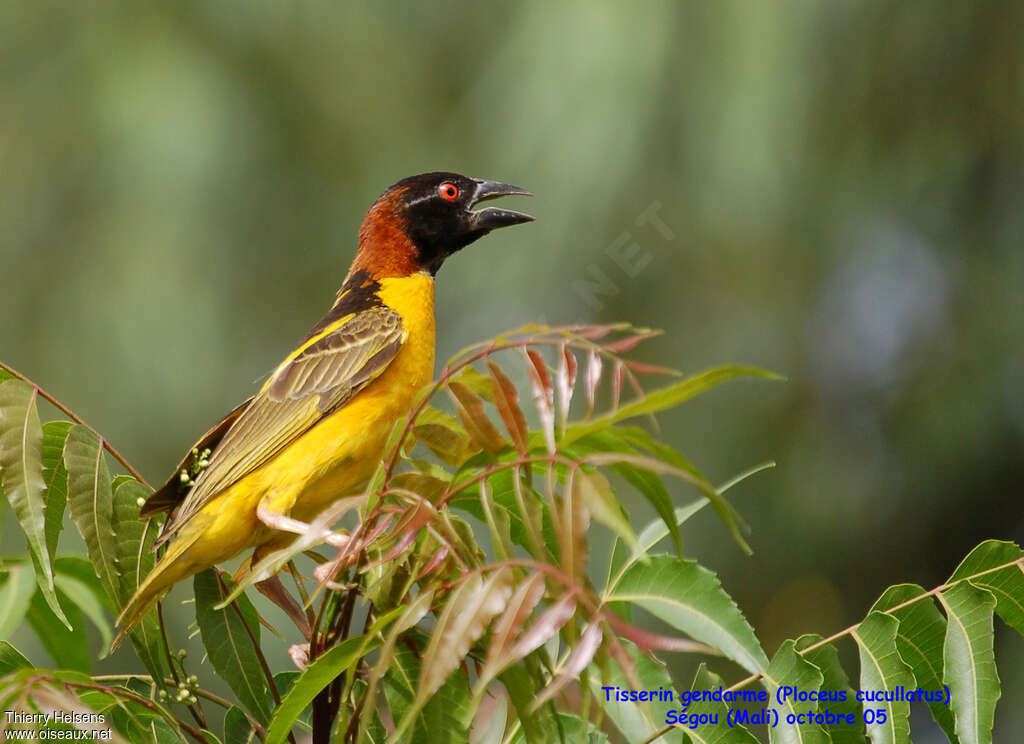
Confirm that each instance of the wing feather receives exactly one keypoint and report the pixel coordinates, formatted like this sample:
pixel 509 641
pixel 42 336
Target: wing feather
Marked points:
pixel 318 380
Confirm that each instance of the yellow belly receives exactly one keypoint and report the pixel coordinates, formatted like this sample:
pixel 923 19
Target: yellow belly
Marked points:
pixel 330 460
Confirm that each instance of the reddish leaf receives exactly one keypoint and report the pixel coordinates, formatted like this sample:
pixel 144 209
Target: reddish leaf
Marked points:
pixel 597 331
pixel 618 377
pixel 409 525
pixel 511 622
pixel 647 640
pixel 549 623
pixel 415 516
pixel 435 560
pixel 399 547
pixel 566 382
pixel 543 395
pixel 630 342
pixel 581 655
pixel 465 617
pixel 506 400
pixel 592 378
pixel 362 543
pixel 471 411
pixel 641 368
pixel 639 392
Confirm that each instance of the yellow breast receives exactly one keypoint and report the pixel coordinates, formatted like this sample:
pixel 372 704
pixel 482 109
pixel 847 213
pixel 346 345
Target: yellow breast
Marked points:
pixel 333 458
pixel 343 450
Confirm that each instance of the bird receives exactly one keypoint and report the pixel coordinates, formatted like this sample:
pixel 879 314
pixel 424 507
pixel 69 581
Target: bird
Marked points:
pixel 316 429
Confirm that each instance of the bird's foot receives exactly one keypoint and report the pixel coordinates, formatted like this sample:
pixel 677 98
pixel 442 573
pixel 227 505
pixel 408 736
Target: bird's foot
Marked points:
pixel 325 572
pixel 285 523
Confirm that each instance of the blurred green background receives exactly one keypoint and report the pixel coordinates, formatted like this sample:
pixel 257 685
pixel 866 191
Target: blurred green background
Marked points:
pixel 837 187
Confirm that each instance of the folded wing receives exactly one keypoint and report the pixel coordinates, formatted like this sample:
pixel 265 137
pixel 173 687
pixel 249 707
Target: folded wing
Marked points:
pixel 321 378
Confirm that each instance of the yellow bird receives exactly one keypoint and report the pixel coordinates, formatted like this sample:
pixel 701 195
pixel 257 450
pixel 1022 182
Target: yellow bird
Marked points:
pixel 315 430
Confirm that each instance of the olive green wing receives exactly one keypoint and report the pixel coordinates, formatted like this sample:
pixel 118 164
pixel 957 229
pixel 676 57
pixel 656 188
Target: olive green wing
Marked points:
pixel 317 381
pixel 172 493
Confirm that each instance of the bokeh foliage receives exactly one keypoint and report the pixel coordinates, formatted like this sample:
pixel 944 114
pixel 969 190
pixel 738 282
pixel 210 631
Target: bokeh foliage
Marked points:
pixel 841 180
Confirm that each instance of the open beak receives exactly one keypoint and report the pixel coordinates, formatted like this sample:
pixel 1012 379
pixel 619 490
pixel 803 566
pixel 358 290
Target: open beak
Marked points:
pixel 492 217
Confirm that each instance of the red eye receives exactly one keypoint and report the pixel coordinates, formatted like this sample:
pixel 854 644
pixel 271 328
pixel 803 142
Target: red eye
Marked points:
pixel 448 191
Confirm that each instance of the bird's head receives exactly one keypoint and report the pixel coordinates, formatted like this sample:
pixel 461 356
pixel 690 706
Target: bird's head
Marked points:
pixel 420 221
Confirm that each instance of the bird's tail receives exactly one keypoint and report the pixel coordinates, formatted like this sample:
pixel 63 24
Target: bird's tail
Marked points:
pixel 174 565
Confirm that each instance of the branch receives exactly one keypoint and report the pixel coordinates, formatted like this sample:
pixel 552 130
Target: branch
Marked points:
pixel 70 414
pixel 847 631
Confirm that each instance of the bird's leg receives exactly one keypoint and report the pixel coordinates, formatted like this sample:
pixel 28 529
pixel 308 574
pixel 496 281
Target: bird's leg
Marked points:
pixel 284 523
pixel 274 590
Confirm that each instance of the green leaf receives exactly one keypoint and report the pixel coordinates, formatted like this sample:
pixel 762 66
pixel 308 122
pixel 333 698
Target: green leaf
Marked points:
pixel 649 484
pixel 11 659
pixel 318 675
pixel 141 724
pixel 82 596
pixel 729 516
pixel 81 570
pixel 161 732
pixel 15 595
pixel 835 682
pixel 691 599
pixel 440 720
pixel 596 493
pixel 712 733
pixel 505 498
pixel 650 536
pixel 21 469
pixel 91 503
pixel 1006 584
pixel 237 729
pixel 449 445
pixel 522 690
pixel 636 720
pixel 570 729
pixel 228 643
pixel 970 670
pixel 919 641
pixel 478 383
pixel 666 397
pixel 451 701
pixel 284 681
pixel 55 434
pixel 654 532
pixel 790 669
pixel 134 559
pixel 68 648
pixel 882 669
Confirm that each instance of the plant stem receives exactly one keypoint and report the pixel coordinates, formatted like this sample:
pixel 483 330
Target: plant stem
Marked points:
pixel 70 414
pixel 850 630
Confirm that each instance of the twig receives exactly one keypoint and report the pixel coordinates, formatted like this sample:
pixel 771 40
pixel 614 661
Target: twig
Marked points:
pixel 129 695
pixel 850 630
pixel 70 414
